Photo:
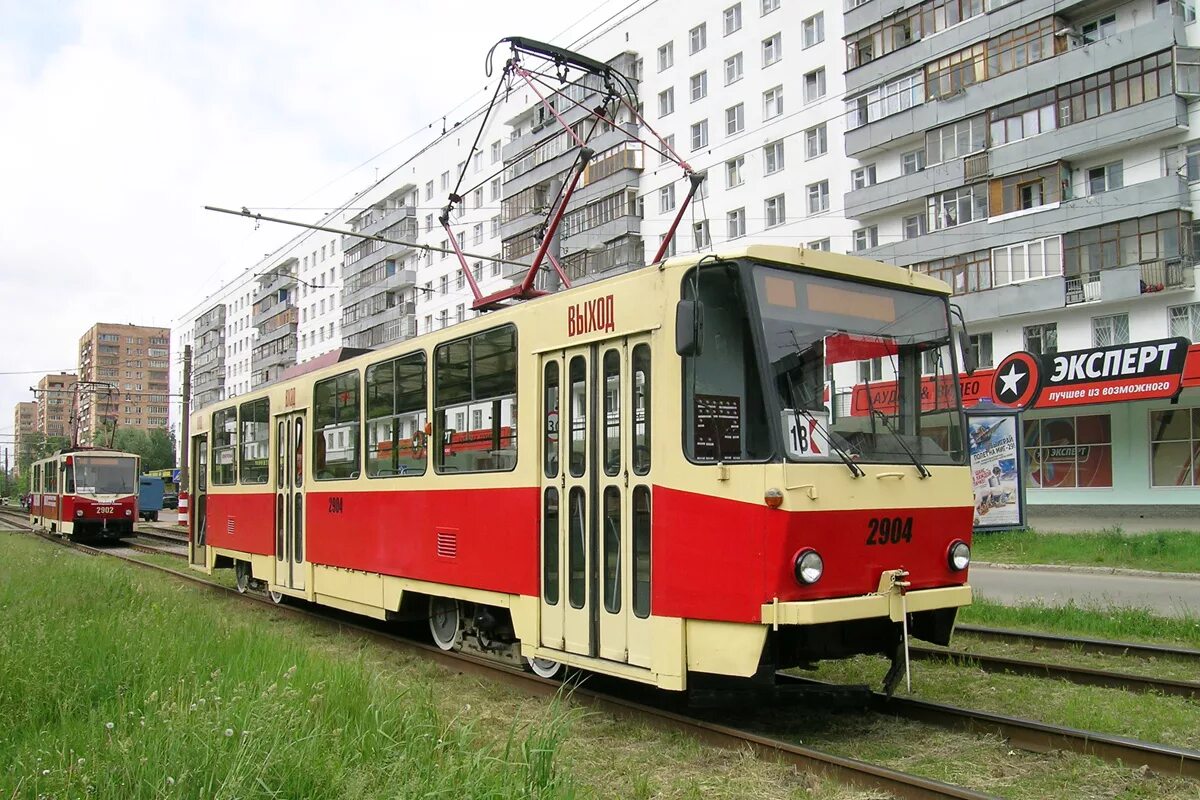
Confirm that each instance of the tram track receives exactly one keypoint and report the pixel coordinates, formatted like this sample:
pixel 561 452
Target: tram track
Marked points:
pixel 1053 641
pixel 1023 734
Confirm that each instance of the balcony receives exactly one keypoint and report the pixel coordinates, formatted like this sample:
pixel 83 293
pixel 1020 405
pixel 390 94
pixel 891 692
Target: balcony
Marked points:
pixel 1120 48
pixel 905 189
pixel 1136 200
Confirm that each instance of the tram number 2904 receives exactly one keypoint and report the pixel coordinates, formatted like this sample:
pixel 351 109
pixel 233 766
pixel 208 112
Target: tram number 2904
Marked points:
pixel 889 530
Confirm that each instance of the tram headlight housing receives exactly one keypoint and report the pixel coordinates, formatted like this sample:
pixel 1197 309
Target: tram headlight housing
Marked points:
pixel 958 556
pixel 808 567
pixel 129 512
pixel 79 512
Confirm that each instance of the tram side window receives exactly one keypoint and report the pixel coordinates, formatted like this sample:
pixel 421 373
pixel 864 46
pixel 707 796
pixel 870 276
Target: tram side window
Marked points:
pixel 335 427
pixel 37 477
pixel 724 415
pixel 52 477
pixel 397 441
pixel 475 401
pixel 641 551
pixel 255 436
pixel 224 433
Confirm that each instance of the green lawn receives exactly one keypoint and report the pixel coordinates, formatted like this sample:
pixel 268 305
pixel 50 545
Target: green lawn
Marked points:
pixel 1125 624
pixel 1169 551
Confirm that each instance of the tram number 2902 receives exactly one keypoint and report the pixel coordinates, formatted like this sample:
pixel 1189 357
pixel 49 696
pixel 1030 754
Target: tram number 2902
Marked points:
pixel 889 530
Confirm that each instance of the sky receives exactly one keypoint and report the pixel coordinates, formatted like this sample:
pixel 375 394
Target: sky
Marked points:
pixel 120 120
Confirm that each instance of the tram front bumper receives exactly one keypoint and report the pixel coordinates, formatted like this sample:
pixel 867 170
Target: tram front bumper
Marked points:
pixel 889 604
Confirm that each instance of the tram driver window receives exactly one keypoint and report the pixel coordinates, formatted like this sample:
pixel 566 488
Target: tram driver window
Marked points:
pixel 475 402
pixel 335 427
pixel 724 415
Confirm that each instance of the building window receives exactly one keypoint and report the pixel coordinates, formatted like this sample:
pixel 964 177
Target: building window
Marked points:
pixel 957 140
pixel 1110 330
pixel 814 85
pixel 914 226
pixel 1162 238
pixel 700 235
pixel 666 198
pixel 866 238
pixel 772 49
pixel 814 30
pixel 1069 452
pixel 1031 189
pixel 883 101
pixel 668 145
pixel 912 161
pixel 863 177
pixel 1040 258
pixel 1185 321
pixel 773 158
pixel 699 86
pixel 733 172
pixel 775 213
pixel 1041 339
pixel 958 207
pixel 772 103
pixel 1104 178
pixel 736 223
pixel 697 38
pixel 1127 85
pixel 870 369
pixel 1098 29
pixel 700 134
pixel 732 19
pixel 733 69
pixel 1175 447
pixel 496 151
pixel 666 56
pixel 769 5
pixel 818 197
pixel 815 141
pixel 494 189
pixel 1022 118
pixel 981 349
pixel 735 119
pixel 666 102
pixel 819 244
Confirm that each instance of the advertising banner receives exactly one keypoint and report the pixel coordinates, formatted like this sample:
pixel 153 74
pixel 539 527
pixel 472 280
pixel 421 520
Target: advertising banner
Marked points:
pixel 995 448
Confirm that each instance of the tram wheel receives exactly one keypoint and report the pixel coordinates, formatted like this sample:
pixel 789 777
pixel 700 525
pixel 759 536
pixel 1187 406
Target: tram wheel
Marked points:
pixel 242 571
pixel 276 597
pixel 544 667
pixel 444 622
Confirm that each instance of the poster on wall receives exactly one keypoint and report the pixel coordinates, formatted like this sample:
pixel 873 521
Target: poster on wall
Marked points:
pixel 996 473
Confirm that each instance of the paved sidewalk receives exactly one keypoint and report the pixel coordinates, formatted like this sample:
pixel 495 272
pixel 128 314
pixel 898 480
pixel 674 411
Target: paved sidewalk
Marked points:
pixel 1167 596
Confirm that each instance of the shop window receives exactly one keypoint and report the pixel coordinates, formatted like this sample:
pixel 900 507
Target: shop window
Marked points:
pixel 1174 439
pixel 1069 452
pixel 255 433
pixel 335 427
pixel 477 373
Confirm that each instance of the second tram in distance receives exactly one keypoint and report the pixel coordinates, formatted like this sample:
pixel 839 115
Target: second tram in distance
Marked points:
pixel 646 477
pixel 85 493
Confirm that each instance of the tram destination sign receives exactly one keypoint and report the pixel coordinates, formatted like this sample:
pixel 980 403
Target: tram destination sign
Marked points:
pixel 1149 370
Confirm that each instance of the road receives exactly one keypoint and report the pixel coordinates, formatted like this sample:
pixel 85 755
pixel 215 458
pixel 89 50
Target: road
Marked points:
pixel 1176 597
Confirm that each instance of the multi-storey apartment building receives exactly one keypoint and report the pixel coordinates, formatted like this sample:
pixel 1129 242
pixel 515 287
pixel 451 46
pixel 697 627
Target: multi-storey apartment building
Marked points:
pixel 1039 158
pixel 55 404
pixel 276 317
pixel 126 369
pixel 24 425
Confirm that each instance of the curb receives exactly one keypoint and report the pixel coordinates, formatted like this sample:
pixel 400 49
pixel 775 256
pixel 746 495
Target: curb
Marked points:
pixel 1131 573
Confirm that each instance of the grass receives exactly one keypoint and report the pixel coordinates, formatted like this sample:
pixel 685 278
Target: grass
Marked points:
pixel 1166 551
pixel 124 683
pixel 1107 622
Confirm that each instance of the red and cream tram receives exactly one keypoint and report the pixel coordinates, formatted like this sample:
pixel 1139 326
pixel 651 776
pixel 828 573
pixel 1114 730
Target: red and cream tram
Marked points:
pixel 646 477
pixel 85 494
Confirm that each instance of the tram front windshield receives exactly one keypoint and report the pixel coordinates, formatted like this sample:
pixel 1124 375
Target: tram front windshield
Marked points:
pixel 105 475
pixel 858 369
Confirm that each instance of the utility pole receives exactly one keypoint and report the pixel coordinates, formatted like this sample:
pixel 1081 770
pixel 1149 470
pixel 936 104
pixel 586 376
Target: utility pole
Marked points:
pixel 184 424
pixel 551 281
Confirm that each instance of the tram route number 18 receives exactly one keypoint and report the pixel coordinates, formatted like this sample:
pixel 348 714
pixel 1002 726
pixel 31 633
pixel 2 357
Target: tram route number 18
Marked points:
pixel 804 437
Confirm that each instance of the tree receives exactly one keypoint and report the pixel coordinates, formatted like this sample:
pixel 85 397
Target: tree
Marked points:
pixel 156 447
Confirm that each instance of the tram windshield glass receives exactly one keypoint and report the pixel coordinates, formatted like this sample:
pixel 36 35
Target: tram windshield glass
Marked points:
pixel 857 370
pixel 105 475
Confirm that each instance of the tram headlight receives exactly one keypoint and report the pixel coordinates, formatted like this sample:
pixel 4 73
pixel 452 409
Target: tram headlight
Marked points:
pixel 959 555
pixel 79 512
pixel 809 567
pixel 129 512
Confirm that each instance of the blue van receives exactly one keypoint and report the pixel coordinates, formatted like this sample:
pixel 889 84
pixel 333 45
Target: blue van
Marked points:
pixel 150 497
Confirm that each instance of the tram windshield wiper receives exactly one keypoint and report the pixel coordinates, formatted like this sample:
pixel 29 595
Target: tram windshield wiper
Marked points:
pixel 798 406
pixel 925 473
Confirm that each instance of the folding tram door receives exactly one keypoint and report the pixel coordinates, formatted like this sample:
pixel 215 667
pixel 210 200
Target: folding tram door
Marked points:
pixel 595 552
pixel 290 566
pixel 198 502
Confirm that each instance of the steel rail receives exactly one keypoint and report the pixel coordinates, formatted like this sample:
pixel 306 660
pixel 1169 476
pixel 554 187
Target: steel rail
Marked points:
pixel 1084 676
pixel 1038 737
pixel 1083 644
pixel 845 770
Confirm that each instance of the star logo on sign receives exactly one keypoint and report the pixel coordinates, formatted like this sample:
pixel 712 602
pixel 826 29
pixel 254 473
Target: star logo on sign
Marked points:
pixel 1011 381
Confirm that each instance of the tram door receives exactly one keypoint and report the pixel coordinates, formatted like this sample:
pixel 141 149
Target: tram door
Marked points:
pixel 198 502
pixel 290 431
pixel 592 453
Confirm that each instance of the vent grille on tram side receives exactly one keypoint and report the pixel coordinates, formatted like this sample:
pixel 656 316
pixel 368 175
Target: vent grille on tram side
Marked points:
pixel 447 544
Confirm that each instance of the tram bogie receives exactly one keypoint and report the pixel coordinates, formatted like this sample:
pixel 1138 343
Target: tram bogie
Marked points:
pixel 677 491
